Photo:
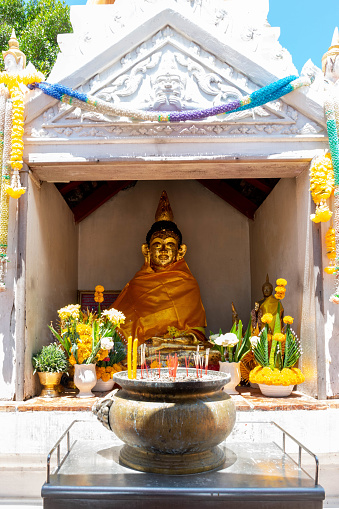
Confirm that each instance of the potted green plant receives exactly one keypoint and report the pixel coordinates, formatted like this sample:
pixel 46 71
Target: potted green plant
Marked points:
pixel 50 363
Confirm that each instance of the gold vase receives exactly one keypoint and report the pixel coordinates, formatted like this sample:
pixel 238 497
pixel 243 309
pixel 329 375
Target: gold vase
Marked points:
pixel 50 382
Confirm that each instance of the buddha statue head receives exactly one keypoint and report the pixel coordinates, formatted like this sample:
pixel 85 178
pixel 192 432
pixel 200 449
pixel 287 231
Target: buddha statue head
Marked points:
pixel 14 59
pixel 267 288
pixel 163 245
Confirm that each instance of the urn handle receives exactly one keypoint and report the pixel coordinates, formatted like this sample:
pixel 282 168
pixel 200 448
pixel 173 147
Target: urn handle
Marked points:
pixel 102 407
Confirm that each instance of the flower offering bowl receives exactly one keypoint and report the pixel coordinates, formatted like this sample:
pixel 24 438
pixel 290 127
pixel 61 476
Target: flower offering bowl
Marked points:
pixel 170 426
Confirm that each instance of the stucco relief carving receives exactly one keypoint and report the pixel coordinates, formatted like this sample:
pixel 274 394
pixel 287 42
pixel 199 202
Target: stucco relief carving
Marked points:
pixel 168 72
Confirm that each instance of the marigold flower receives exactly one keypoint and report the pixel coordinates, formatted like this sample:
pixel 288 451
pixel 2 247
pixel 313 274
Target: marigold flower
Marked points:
pixel 99 288
pixel 278 336
pixel 268 376
pixel 278 296
pixel 267 318
pixel 288 319
pixel 15 193
pixel 330 270
pixel 280 289
pixel 98 297
pixel 281 282
pixel 105 377
pixel 72 360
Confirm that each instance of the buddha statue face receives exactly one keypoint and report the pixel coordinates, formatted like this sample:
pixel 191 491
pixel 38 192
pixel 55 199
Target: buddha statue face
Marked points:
pixel 267 289
pixel 163 250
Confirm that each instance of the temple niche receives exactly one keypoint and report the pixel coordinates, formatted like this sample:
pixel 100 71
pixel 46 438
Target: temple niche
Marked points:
pixel 152 58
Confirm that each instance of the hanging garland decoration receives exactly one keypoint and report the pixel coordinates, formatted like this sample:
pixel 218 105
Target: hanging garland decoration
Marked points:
pixel 14 82
pixel 12 90
pixel 322 185
pixel 258 98
pixel 3 202
pixel 330 250
pixel 6 118
pixel 332 121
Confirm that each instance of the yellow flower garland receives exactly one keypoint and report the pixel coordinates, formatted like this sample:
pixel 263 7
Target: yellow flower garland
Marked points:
pixel 330 249
pixel 321 186
pixel 12 145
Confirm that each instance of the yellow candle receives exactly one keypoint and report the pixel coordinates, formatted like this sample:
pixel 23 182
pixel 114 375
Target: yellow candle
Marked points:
pixel 129 357
pixel 135 357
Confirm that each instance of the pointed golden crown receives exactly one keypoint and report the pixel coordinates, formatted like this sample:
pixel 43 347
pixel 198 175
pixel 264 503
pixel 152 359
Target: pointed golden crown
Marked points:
pixel 333 50
pixel 164 211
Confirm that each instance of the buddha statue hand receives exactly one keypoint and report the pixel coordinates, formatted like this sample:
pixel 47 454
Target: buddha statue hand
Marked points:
pixel 102 407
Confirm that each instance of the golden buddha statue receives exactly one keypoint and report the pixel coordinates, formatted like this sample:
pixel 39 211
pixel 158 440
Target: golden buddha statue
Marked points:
pixel 162 302
pixel 269 304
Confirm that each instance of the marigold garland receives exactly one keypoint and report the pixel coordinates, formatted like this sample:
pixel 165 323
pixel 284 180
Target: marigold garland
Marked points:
pixel 11 144
pixel 321 186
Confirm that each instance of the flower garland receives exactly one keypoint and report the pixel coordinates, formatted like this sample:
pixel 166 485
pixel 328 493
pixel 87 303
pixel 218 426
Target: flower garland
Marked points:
pixel 6 122
pixel 330 250
pixel 332 123
pixel 14 82
pixel 259 97
pixel 321 186
pixel 11 149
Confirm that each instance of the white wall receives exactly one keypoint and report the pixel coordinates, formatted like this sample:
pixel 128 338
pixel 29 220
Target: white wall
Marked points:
pixel 7 312
pixel 51 261
pixel 274 245
pixel 281 245
pixel 217 237
pixel 331 316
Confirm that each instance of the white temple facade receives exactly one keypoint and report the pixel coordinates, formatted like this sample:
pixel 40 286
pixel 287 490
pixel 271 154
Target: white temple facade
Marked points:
pixel 205 53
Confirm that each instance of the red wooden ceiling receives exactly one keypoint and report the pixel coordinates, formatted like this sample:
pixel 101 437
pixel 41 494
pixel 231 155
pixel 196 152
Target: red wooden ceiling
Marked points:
pixel 245 195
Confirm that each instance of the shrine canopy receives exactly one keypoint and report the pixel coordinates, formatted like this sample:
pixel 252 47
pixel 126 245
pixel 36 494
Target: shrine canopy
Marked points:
pixel 168 57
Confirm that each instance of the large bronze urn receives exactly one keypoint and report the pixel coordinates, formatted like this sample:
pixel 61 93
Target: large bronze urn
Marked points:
pixel 170 427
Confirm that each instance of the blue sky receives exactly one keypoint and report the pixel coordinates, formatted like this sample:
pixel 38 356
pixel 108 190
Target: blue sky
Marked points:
pixel 306 26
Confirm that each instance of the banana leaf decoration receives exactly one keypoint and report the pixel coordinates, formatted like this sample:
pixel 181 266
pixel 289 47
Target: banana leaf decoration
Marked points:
pixel 244 345
pixel 292 349
pixel 261 350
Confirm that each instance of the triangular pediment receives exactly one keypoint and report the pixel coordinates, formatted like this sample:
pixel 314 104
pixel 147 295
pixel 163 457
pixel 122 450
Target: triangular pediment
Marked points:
pixel 163 68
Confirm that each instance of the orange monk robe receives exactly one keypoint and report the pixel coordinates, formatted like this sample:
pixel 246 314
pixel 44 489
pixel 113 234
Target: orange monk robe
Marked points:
pixel 153 301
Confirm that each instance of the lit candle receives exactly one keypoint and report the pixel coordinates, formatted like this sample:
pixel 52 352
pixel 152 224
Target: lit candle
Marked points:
pixel 135 357
pixel 129 357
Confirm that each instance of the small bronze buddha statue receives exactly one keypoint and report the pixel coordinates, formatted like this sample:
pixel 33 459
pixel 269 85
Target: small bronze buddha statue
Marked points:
pixel 269 304
pixel 256 323
pixel 162 302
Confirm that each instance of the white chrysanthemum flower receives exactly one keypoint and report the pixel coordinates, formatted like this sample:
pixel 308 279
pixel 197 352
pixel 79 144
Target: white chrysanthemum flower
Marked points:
pixel 114 316
pixel 107 343
pixel 229 339
pixel 254 340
